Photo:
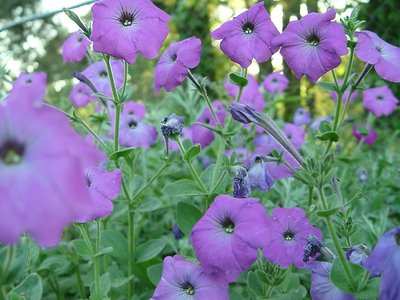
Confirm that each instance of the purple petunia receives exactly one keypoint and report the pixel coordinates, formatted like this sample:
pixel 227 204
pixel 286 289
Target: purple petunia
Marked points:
pixel 345 95
pixel 248 36
pixel 251 94
pixel 286 236
pixel 97 74
pixel 312 46
pixel 259 177
pixel 174 64
pixel 322 288
pixel 42 165
pixel 295 134
pixel 103 187
pixel 380 100
pixel 385 261
pixel 226 238
pixel 301 117
pixel 75 47
pixel 183 280
pixel 275 83
pixel 369 138
pixel 384 57
pixel 124 28
pixel 81 95
pixel 29 87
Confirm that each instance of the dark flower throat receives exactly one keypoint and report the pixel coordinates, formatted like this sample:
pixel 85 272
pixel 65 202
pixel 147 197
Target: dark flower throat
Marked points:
pixel 11 152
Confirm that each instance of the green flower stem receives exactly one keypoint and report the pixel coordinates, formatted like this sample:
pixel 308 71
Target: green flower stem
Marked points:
pixel 118 108
pixel 336 243
pixel 195 176
pixel 131 251
pixel 79 281
pixel 126 69
pixel 94 134
pixel 218 164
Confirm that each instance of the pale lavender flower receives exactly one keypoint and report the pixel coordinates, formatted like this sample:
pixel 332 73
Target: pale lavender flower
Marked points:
pixel 369 138
pixel 295 134
pixel 259 176
pixel 275 83
pixel 75 47
pixel 301 117
pixel 81 95
pixel 251 94
pixel 380 100
pixel 29 87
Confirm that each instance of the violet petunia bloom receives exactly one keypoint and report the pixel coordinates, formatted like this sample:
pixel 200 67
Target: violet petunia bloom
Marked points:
pixel 97 74
pixel 174 64
pixel 251 94
pixel 259 176
pixel 385 261
pixel 135 133
pixel 81 95
pixel 312 46
pixel 75 47
pixel 380 100
pixel 358 254
pixel 369 138
pixel 29 87
pixel 384 57
pixel 286 236
pixel 124 28
pixel 183 280
pixel 345 95
pixel 295 134
pixel 248 36
pixel 226 238
pixel 134 108
pixel 322 288
pixel 275 83
pixel 301 117
pixel 103 187
pixel 42 182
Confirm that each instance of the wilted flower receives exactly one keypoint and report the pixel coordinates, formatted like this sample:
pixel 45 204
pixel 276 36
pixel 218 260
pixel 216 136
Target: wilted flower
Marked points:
pixel 75 47
pixel 258 174
pixel 42 182
pixel 81 95
pixel 124 28
pixel 312 46
pixel 380 100
pixel 314 247
pixel 295 134
pixel 385 260
pixel 182 279
pixel 369 135
pixel 275 83
pixel 373 50
pixel 345 95
pixel 226 238
pixel 301 117
pixel 29 87
pixel 241 184
pixel 248 36
pixel 174 64
pixel 251 94
pixel 286 236
pixel 322 288
pixel 358 254
pixel 172 125
pixel 103 187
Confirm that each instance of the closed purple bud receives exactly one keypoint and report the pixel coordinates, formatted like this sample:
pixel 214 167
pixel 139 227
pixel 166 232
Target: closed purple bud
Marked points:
pixel 238 112
pixel 259 176
pixel 84 79
pixel 172 125
pixel 177 232
pixel 241 184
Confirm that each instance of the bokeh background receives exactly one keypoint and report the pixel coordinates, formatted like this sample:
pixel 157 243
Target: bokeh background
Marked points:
pixel 35 45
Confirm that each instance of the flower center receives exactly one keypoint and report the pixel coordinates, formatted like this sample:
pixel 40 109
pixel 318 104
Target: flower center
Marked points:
pixel 126 18
pixel 397 237
pixel 103 74
pixel 313 39
pixel 132 124
pixel 28 80
pixel 275 80
pixel 379 48
pixel 288 235
pixel 173 57
pixel 11 152
pixel 248 28
pixel 379 98
pixel 188 288
pixel 228 225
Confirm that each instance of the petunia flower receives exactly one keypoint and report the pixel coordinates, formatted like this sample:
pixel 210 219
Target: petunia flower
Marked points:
pixel 135 133
pixel 358 254
pixel 380 100
pixel 385 261
pixel 183 280
pixel 81 95
pixel 301 117
pixel 226 238
pixel 322 288
pixel 275 83
pixel 174 64
pixel 248 36
pixel 259 176
pixel 103 187
pixel 312 46
pixel 124 28
pixel 295 134
pixel 345 95
pixel 29 87
pixel 369 138
pixel 97 74
pixel 75 47
pixel 42 163
pixel 251 94
pixel 286 236
pixel 384 57
pixel 134 108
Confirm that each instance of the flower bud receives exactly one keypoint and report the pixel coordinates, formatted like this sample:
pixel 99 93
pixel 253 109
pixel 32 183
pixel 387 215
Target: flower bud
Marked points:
pixel 241 184
pixel 172 125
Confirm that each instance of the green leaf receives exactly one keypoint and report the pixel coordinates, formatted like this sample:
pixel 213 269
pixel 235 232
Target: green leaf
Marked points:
pixel 29 289
pixel 81 248
pixel 237 79
pixel 74 17
pixel 149 205
pixel 327 213
pixel 255 284
pixel 328 136
pixel 121 153
pixel 104 251
pixel 149 250
pixel 371 290
pixel 183 187
pixel 339 279
pixel 328 86
pixel 325 126
pixel 187 216
pixel 115 239
pixel 105 286
pixel 192 152
pixel 154 273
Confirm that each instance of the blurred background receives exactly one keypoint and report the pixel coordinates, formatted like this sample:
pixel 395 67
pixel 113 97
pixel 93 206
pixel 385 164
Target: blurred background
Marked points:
pixel 36 45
